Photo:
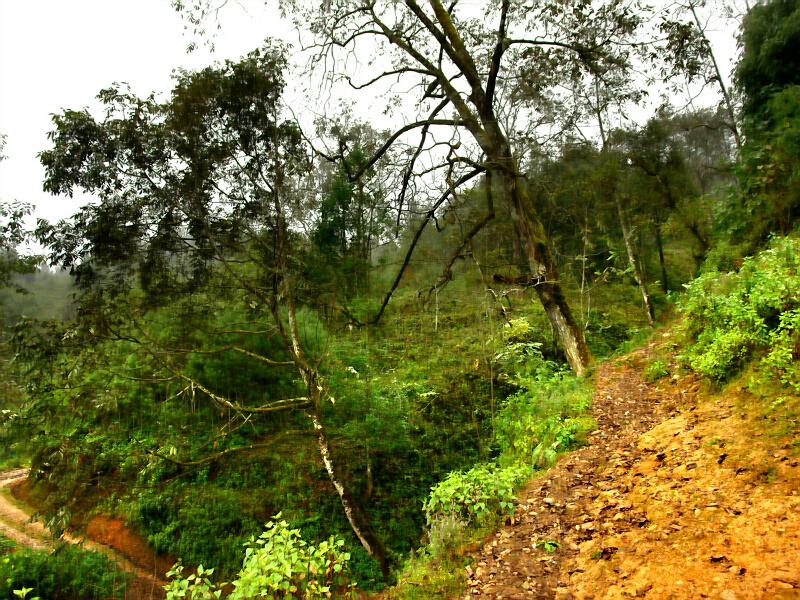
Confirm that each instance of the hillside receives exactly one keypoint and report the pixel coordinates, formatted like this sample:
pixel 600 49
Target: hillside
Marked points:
pixel 681 491
pixel 702 505
pixel 448 299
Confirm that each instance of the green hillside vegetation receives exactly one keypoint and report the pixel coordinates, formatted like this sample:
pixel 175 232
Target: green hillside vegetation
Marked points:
pixel 243 331
pixel 68 573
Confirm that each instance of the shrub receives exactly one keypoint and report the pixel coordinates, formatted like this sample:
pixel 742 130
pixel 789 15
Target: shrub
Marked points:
pixel 784 344
pixel 656 370
pixel 446 535
pixel 475 496
pixel 753 313
pixel 68 573
pixel 543 417
pixel 202 525
pixel 277 564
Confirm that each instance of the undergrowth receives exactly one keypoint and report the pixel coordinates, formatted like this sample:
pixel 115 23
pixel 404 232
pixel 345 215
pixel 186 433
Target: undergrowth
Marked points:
pixel 277 564
pixel 67 573
pixel 546 414
pixel 752 314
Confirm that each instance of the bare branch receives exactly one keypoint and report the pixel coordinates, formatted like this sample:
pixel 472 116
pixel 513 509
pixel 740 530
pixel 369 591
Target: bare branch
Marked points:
pixel 361 86
pixel 218 455
pixel 497 56
pixel 447 272
pixel 393 138
pixel 417 235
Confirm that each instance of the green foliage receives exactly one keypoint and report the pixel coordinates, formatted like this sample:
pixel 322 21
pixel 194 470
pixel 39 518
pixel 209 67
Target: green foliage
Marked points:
pixel 277 564
pixel 477 495
pixel 23 593
pixel 542 418
pixel 12 236
pixel 6 545
pixel 753 313
pixel 446 535
pixel 769 61
pixel 197 586
pixel 767 75
pixel 206 525
pixel 606 333
pixel 68 573
pixel 424 576
pixel 548 546
pixel 545 415
pixel 655 370
pixel 769 168
pixel 784 350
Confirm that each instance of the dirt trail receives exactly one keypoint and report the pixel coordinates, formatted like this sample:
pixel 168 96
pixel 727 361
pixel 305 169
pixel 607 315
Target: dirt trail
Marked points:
pixel 700 506
pixel 16 524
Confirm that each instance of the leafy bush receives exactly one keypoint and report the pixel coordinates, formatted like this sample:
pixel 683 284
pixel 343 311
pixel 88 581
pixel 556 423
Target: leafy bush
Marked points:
pixel 68 573
pixel 542 418
pixel 656 370
pixel 446 535
pixel 784 344
pixel 477 495
pixel 277 564
pixel 202 526
pixel 752 313
pixel 545 415
pixel 605 333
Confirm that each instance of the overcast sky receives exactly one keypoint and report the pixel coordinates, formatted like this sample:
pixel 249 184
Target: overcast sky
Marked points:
pixel 57 54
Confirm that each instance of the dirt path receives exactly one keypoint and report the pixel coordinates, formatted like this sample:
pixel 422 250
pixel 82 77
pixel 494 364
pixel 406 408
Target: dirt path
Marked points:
pixel 697 507
pixel 16 524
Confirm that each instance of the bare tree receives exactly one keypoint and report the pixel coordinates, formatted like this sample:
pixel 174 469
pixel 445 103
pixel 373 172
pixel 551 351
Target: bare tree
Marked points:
pixel 468 68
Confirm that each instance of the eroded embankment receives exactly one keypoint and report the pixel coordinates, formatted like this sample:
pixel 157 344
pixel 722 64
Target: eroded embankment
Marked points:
pixel 16 524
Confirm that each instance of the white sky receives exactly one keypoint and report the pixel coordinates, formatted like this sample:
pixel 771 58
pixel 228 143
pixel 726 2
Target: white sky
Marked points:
pixel 57 54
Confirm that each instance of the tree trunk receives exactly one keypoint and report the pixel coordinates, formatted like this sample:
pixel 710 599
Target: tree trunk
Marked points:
pixel 638 275
pixel 661 261
pixel 533 241
pixel 355 516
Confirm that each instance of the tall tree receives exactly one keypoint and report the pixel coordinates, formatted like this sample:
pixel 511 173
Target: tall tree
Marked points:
pixel 769 61
pixel 465 66
pixel 767 76
pixel 203 195
pixel 12 236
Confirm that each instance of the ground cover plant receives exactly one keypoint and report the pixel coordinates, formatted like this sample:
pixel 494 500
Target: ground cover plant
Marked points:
pixel 380 331
pixel 67 573
pixel 749 314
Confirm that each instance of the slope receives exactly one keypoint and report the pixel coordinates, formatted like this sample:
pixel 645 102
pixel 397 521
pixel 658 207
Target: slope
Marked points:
pixel 703 505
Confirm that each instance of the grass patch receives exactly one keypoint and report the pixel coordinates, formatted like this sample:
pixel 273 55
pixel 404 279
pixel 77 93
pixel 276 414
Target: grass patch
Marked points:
pixel 6 545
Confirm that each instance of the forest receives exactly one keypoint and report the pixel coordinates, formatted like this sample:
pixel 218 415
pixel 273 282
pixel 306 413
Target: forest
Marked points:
pixel 321 355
